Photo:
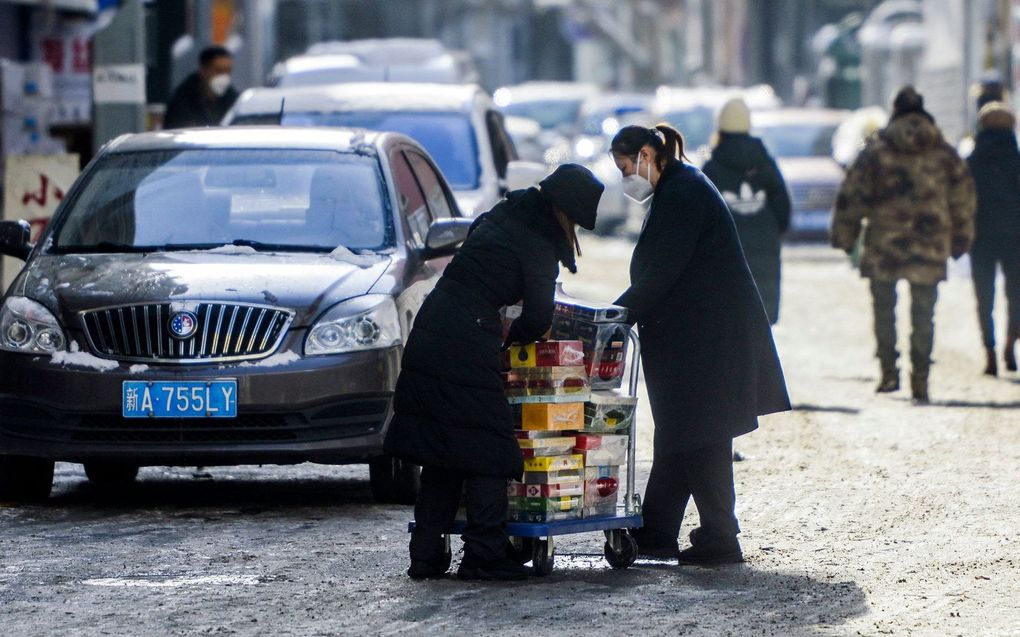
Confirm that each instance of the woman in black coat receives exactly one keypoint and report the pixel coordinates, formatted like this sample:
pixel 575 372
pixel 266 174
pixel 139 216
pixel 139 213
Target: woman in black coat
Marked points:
pixel 451 414
pixel 710 364
pixel 995 164
pixel 754 189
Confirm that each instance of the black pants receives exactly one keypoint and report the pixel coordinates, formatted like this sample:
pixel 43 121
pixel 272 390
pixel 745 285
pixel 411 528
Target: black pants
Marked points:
pixel 707 475
pixel 982 269
pixel 438 500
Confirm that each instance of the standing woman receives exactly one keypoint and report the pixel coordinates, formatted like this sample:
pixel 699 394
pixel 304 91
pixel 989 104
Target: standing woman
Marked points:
pixel 451 415
pixel 995 165
pixel 750 182
pixel 710 364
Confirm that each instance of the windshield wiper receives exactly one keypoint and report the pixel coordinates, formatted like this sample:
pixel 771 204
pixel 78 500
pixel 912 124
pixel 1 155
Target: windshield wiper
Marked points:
pixel 241 243
pixel 103 246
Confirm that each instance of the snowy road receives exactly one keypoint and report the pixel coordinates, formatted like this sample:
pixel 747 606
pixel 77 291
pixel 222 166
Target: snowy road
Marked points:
pixel 862 514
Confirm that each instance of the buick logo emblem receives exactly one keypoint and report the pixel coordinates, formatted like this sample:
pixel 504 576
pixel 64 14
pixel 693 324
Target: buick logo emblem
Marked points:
pixel 183 325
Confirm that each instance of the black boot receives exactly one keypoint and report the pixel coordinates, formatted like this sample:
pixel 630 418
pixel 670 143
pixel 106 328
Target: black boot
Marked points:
pixel 421 569
pixel 1010 355
pixel 711 551
pixel 919 387
pixel 503 569
pixel 654 548
pixel 890 380
pixel 991 367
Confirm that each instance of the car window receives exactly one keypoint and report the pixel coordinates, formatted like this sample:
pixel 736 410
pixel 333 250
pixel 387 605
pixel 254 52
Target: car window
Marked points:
pixel 431 185
pixel 503 151
pixel 798 140
pixel 202 198
pixel 410 199
pixel 696 124
pixel 548 113
pixel 448 137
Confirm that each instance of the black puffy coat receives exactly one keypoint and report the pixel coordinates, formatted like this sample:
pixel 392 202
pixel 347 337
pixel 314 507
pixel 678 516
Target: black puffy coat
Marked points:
pixel 449 409
pixel 190 106
pixel 710 363
pixel 995 165
pixel 756 193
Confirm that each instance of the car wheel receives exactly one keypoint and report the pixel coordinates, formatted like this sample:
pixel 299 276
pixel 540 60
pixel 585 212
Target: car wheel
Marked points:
pixel 394 480
pixel 110 473
pixel 25 479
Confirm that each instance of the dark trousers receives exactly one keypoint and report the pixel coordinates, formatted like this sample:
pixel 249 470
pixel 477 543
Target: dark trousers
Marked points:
pixel 922 315
pixel 438 500
pixel 705 474
pixel 982 269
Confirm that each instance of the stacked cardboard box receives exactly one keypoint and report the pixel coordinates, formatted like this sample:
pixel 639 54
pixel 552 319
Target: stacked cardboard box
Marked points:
pixel 602 330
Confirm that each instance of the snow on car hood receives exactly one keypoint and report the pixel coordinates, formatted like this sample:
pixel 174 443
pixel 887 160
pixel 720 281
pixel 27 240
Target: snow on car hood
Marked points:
pixel 305 283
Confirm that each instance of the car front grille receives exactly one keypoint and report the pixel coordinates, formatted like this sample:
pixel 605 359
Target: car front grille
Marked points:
pixel 221 332
pixel 813 196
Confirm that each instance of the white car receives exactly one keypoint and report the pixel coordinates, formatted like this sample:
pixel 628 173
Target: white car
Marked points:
pixel 556 106
pixel 458 125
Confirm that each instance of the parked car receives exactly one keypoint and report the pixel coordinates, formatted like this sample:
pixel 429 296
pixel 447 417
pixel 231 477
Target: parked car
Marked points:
pixel 556 106
pixel 371 60
pixel 458 125
pixel 801 140
pixel 217 297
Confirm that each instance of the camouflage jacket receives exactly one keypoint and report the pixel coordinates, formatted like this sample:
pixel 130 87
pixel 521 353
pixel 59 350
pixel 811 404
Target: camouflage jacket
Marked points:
pixel 914 198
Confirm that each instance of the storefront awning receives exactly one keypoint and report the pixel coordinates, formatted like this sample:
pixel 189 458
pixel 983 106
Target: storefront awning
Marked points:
pixel 84 6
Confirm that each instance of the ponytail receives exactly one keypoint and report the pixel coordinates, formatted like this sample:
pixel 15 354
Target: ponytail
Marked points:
pixel 666 141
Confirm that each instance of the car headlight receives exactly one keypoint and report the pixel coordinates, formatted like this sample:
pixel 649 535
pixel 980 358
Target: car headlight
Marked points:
pixel 362 323
pixel 28 327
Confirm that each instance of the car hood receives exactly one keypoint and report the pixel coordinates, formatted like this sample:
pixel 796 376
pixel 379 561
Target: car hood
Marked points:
pixel 810 170
pixel 305 283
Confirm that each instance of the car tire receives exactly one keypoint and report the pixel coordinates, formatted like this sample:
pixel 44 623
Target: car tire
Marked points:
pixel 25 479
pixel 110 473
pixel 393 480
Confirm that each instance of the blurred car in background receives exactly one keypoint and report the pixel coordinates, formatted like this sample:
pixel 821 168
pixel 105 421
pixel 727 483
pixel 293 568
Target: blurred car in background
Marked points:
pixel 458 125
pixel 527 137
pixel 800 139
pixel 382 60
pixel 556 106
pixel 694 112
pixel 219 297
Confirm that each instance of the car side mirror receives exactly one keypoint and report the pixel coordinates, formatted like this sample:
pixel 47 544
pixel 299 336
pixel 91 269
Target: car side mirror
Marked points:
pixel 14 239
pixel 445 237
pixel 524 174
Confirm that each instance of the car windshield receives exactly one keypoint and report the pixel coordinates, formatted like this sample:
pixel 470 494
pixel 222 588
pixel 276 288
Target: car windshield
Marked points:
pixel 277 199
pixel 548 113
pixel 798 140
pixel 448 137
pixel 695 124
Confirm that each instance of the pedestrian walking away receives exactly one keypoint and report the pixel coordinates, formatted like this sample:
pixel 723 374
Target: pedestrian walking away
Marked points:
pixel 917 198
pixel 451 414
pixel 754 189
pixel 995 166
pixel 710 363
pixel 206 95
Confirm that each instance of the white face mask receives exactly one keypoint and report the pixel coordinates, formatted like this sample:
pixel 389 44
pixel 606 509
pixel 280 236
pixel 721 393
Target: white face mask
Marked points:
pixel 637 187
pixel 219 84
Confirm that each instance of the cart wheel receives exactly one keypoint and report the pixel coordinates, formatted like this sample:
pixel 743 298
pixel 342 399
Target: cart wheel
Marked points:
pixel 542 558
pixel 627 554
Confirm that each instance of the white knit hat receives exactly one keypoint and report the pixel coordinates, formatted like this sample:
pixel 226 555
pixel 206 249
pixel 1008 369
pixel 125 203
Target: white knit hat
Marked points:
pixel 735 117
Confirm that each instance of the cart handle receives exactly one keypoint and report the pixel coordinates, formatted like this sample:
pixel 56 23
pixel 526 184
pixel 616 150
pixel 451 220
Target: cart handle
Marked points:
pixel 632 502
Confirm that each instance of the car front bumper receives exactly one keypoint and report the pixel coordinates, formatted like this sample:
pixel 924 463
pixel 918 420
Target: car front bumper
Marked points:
pixel 330 409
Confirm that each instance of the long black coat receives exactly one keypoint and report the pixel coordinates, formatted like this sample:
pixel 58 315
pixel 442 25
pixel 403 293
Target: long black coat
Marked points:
pixel 755 191
pixel 709 360
pixel 190 106
pixel 995 165
pixel 450 409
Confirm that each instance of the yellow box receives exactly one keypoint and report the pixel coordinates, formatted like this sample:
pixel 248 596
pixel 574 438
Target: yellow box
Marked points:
pixel 554 463
pixel 552 416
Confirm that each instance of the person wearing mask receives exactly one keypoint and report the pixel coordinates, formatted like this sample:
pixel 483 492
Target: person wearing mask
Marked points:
pixel 710 363
pixel 206 95
pixel 917 197
pixel 450 412
pixel 754 190
pixel 995 166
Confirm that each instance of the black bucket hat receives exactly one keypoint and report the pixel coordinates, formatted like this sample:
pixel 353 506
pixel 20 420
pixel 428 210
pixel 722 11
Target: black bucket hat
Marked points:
pixel 576 191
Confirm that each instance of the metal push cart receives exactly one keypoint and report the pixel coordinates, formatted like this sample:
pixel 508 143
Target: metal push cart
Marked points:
pixel 537 538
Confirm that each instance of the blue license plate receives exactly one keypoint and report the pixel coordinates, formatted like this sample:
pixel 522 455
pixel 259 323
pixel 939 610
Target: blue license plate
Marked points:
pixel 180 399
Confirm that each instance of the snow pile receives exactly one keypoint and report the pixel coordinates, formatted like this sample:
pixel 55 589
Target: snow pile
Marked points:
pixel 365 259
pixel 138 369
pixel 77 358
pixel 276 360
pixel 232 249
